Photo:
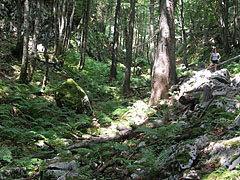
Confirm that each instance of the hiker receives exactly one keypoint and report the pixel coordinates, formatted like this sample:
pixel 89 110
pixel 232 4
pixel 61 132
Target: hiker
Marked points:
pixel 214 59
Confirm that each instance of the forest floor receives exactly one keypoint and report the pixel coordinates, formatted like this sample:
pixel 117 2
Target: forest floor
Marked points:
pixel 123 139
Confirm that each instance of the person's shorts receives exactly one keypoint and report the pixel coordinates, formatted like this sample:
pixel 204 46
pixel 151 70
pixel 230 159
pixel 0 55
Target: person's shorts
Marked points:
pixel 214 61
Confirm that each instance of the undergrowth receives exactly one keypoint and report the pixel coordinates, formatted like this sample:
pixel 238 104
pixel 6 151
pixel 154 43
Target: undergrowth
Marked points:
pixel 33 128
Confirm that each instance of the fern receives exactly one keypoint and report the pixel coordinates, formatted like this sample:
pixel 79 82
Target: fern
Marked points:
pixel 83 150
pixel 134 166
pixel 147 130
pixel 121 147
pixel 5 154
pixel 5 111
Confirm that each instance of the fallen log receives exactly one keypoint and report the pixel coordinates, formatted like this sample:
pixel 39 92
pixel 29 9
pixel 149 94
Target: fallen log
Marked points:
pixel 127 133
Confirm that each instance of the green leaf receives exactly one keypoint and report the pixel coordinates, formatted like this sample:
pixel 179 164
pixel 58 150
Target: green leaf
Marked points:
pixel 146 130
pixel 5 154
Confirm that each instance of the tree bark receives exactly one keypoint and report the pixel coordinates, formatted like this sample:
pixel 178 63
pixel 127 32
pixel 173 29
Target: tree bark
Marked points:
pixel 17 52
pixel 35 40
pixel 184 38
pixel 55 17
pixel 61 20
pixel 235 24
pixel 69 29
pixel 164 70
pixel 126 84
pixel 152 46
pixel 45 78
pixel 224 4
pixel 115 42
pixel 23 74
pixel 84 35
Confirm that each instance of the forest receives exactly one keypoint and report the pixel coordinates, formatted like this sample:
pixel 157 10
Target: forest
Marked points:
pixel 119 90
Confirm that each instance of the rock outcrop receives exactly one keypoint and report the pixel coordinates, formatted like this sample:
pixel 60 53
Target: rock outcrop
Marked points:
pixel 71 95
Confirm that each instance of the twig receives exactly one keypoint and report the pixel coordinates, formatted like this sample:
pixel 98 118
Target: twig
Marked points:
pixel 108 163
pixel 201 115
pixel 136 150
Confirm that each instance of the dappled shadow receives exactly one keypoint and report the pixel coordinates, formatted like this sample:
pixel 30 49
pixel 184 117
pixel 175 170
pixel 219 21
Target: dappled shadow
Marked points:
pixel 7 71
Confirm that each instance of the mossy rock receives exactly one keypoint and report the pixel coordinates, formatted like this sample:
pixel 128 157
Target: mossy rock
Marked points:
pixel 70 94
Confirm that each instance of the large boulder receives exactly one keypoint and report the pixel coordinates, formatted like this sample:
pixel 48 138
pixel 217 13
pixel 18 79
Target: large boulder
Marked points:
pixel 204 85
pixel 71 95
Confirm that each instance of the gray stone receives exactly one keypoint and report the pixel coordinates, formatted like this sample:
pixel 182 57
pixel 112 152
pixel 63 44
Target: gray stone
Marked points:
pixel 62 170
pixel 224 151
pixel 192 174
pixel 236 80
pixel 234 164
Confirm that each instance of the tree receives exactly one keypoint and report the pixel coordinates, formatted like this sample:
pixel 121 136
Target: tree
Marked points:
pixel 235 24
pixel 113 74
pixel 164 70
pixel 84 35
pixel 23 75
pixel 152 46
pixel 35 40
pixel 184 38
pixel 223 18
pixel 129 41
pixel 17 52
pixel 69 27
pixel 61 20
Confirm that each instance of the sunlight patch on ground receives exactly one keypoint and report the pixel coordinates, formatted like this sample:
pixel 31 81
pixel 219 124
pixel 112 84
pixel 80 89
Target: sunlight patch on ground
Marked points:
pixel 136 115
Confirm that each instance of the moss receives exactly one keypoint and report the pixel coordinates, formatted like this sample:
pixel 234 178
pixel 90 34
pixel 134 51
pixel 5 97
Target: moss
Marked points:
pixel 234 158
pixel 184 157
pixel 71 95
pixel 191 133
pixel 220 174
pixel 197 131
pixel 234 144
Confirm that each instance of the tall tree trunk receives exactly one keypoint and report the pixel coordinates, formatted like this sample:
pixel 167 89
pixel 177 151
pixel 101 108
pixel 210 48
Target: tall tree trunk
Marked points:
pixel 152 46
pixel 35 40
pixel 164 70
pixel 115 42
pixel 224 4
pixel 184 39
pixel 55 25
pixel 17 52
pixel 66 9
pixel 69 29
pixel 84 35
pixel 48 29
pixel 235 24
pixel 61 27
pixel 45 78
pixel 126 84
pixel 23 74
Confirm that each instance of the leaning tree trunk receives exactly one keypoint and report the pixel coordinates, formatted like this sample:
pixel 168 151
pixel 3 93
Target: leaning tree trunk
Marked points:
pixel 69 28
pixel 126 84
pixel 113 74
pixel 235 24
pixel 164 70
pixel 23 74
pixel 48 30
pixel 35 40
pixel 184 38
pixel 224 4
pixel 61 16
pixel 55 17
pixel 152 33
pixel 45 78
pixel 18 50
pixel 84 35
